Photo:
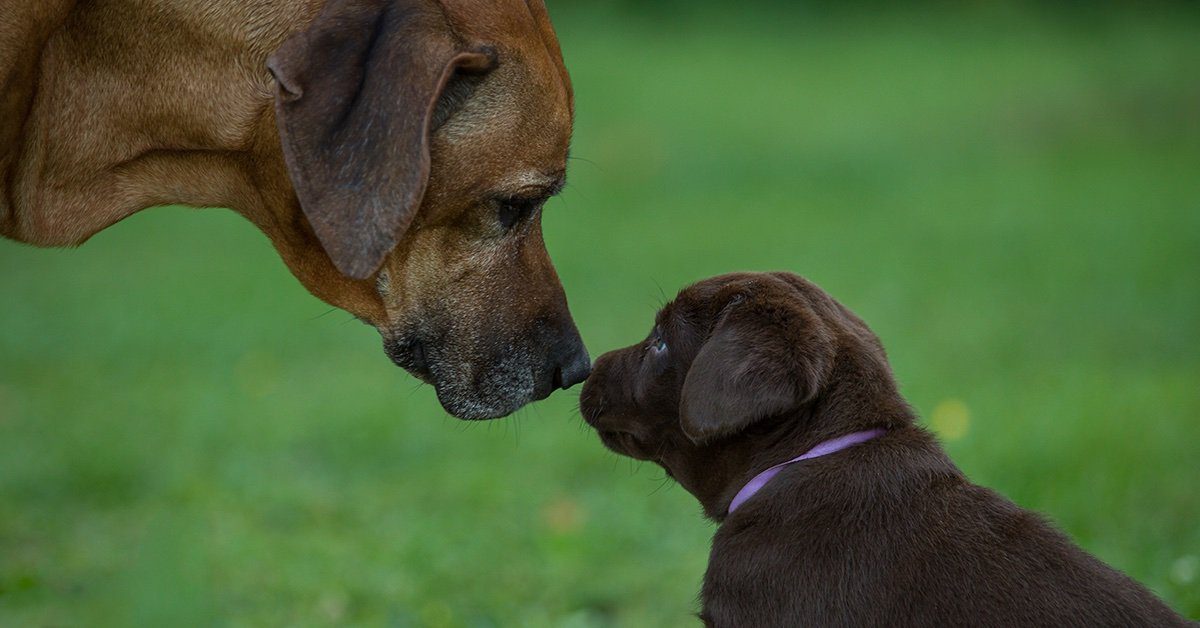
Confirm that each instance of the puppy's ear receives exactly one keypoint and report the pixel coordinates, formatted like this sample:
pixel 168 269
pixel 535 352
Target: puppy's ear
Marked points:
pixel 762 359
pixel 357 93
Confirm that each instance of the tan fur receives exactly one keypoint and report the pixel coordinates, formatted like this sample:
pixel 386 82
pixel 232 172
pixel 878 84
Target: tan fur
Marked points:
pixel 113 106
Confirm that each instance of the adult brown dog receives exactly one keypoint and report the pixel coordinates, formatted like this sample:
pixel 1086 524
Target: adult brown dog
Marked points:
pixel 746 371
pixel 396 152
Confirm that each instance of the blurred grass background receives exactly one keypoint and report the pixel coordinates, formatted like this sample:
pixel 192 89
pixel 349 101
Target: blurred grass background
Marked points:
pixel 1009 194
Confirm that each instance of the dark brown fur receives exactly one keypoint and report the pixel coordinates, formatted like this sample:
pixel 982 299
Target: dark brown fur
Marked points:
pixel 395 152
pixel 745 371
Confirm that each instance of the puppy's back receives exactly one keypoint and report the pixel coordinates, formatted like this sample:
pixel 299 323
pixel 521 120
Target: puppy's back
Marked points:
pixel 890 533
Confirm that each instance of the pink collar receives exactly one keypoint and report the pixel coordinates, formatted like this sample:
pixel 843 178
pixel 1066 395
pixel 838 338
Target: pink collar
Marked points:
pixel 828 447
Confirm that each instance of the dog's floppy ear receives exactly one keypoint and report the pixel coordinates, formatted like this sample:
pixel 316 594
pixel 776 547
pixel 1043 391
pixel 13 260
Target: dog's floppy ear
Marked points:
pixel 356 95
pixel 762 359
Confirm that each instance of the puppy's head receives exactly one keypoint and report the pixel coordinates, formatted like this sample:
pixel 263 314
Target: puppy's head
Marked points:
pixel 733 360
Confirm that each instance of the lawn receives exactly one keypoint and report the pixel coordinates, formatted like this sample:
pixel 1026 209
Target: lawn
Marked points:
pixel 1010 198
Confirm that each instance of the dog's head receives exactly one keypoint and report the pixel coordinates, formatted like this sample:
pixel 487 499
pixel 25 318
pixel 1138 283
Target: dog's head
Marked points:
pixel 422 138
pixel 735 366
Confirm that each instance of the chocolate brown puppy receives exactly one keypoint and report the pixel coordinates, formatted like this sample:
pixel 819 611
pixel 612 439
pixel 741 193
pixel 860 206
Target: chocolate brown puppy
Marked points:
pixel 876 527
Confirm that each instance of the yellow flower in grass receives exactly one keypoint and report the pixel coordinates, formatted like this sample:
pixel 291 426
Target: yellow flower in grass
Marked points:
pixel 951 418
pixel 563 515
pixel 1185 568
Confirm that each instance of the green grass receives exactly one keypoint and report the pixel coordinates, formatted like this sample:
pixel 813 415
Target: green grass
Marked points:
pixel 1011 200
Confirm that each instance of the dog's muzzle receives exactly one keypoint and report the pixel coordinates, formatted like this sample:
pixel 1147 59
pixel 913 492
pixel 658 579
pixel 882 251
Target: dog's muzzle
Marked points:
pixel 495 384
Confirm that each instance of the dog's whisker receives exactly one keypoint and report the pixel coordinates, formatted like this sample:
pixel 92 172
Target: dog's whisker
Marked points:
pixel 323 314
pixel 664 481
pixel 661 293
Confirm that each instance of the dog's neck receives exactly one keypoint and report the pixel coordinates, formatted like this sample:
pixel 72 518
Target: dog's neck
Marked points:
pixel 95 165
pixel 825 448
pixel 715 472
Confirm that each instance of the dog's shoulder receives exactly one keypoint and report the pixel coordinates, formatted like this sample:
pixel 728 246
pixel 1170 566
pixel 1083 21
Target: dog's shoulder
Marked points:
pixel 906 539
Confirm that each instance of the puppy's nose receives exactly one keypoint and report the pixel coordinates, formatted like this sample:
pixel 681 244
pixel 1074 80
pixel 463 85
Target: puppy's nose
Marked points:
pixel 574 369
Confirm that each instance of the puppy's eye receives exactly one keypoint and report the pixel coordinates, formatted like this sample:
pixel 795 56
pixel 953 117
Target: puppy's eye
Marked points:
pixel 657 344
pixel 512 211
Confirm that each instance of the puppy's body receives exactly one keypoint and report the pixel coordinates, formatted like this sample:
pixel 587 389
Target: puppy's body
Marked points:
pixel 890 533
pixel 745 371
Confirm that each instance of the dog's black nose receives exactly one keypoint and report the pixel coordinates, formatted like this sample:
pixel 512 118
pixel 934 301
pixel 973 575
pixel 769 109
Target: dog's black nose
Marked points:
pixel 575 369
pixel 567 361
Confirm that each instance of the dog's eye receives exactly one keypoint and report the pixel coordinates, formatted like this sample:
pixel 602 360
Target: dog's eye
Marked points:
pixel 512 211
pixel 657 345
